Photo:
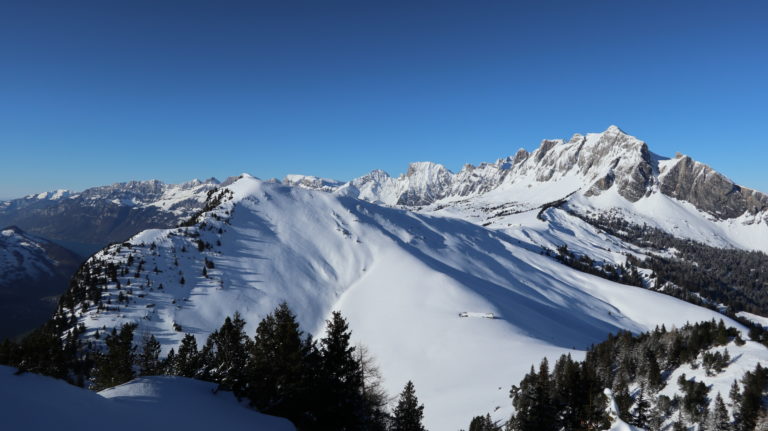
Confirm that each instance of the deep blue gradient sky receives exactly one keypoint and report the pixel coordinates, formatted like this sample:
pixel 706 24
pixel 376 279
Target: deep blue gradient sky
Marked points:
pixel 97 92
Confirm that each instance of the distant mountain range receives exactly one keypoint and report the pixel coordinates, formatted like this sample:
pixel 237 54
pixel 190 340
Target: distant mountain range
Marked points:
pixel 34 272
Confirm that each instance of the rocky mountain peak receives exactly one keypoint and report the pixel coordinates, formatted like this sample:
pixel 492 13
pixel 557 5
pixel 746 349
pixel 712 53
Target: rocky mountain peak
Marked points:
pixel 709 190
pixel 311 182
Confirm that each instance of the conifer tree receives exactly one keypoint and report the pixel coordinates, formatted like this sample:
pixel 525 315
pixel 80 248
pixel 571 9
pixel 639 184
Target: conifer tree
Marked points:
pixel 149 358
pixel 279 377
pixel 115 367
pixel 533 401
pixel 340 379
pixel 718 419
pixel 735 395
pixel 653 372
pixel 408 414
pixel 186 362
pixel 640 417
pixel 228 348
pixel 483 423
pixel 623 399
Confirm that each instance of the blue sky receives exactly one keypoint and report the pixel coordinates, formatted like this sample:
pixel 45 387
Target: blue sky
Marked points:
pixel 97 92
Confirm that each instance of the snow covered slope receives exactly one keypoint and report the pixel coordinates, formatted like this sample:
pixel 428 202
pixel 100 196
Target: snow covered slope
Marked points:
pixel 34 402
pixel 402 278
pixel 598 171
pixel 89 220
pixel 33 272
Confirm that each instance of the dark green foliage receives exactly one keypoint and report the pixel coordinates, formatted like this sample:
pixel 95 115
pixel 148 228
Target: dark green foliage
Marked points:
pixel 754 383
pixel 227 353
pixel 149 358
pixel 626 274
pixel 570 397
pixel 115 366
pixel 737 278
pixel 640 415
pixel 715 362
pixel 695 399
pixel 623 398
pixel 735 395
pixel 653 372
pixel 214 198
pixel 283 373
pixel 408 413
pixel 40 352
pixel 279 373
pixel 483 423
pixel 718 419
pixel 186 362
pixel 340 380
pixel 534 401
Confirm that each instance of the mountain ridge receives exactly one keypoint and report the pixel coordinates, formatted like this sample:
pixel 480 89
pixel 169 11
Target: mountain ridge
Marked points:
pixel 34 272
pixel 600 160
pixel 402 278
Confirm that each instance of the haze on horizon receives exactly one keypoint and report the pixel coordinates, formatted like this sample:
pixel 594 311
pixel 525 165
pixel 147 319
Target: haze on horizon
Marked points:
pixel 96 93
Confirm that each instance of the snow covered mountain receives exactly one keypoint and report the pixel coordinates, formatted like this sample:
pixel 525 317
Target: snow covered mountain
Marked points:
pixel 417 289
pixel 35 402
pixel 89 220
pixel 34 272
pixel 608 171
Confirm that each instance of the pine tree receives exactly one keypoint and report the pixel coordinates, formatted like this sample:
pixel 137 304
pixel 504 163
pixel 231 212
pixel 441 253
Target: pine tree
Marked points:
pixel 340 378
pixel 533 401
pixel 279 377
pixel 149 358
pixel 717 418
pixel 653 372
pixel 408 414
pixel 623 399
pixel 640 417
pixel 228 347
pixel 483 423
pixel 186 362
pixel 735 395
pixel 115 367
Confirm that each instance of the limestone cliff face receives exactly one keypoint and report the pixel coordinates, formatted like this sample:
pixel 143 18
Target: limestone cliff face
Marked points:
pixel 708 190
pixel 591 163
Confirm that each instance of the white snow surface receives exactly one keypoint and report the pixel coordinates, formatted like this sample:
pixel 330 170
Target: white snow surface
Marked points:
pixel 613 412
pixel 34 402
pixel 743 358
pixel 22 256
pixel 754 318
pixel 492 193
pixel 401 278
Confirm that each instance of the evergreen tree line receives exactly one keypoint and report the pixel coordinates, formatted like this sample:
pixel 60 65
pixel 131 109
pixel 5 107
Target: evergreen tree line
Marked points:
pixel 736 278
pixel 569 396
pixel 626 274
pixel 324 385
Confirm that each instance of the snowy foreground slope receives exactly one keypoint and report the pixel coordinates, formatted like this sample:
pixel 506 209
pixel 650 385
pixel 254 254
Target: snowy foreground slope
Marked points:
pixel 401 278
pixel 34 402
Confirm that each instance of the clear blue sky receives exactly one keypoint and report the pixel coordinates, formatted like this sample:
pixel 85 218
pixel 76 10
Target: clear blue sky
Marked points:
pixel 97 92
